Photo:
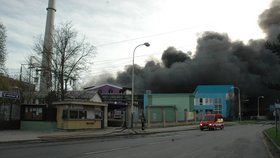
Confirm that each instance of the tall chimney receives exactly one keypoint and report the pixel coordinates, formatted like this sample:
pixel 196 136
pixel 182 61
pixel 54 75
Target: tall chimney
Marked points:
pixel 45 80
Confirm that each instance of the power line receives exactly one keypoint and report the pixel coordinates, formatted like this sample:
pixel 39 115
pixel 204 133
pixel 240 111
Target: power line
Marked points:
pixel 101 62
pixel 115 65
pixel 152 35
pixel 97 63
pixel 130 58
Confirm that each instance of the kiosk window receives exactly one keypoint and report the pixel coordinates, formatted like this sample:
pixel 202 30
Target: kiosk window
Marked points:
pixel 65 114
pixel 98 114
pixel 33 113
pixel 82 114
pixel 73 114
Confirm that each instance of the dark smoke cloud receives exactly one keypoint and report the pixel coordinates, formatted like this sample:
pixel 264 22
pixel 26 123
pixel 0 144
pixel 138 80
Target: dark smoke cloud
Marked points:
pixel 171 56
pixel 217 60
pixel 269 20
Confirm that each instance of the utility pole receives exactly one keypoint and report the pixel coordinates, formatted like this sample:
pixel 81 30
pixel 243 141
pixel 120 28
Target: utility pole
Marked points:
pixel 132 83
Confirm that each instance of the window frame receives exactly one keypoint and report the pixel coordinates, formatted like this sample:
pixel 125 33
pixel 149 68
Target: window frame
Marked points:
pixel 87 114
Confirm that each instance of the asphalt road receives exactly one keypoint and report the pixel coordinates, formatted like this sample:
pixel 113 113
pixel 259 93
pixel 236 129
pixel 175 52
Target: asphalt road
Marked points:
pixel 242 141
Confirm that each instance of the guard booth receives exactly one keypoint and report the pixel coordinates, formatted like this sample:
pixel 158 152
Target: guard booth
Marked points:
pixel 38 117
pixel 9 110
pixel 81 115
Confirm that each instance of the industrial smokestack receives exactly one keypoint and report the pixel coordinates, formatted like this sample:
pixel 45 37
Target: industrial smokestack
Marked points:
pixel 45 81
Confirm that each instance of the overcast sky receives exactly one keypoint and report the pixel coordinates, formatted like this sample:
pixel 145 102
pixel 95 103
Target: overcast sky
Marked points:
pixel 116 27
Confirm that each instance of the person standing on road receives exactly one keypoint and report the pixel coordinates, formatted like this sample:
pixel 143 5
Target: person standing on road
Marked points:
pixel 143 120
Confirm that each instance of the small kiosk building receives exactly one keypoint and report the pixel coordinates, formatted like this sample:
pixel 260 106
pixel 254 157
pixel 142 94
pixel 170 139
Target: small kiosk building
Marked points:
pixel 81 115
pixel 81 110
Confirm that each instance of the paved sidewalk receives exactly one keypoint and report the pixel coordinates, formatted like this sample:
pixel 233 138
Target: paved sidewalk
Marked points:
pixel 21 136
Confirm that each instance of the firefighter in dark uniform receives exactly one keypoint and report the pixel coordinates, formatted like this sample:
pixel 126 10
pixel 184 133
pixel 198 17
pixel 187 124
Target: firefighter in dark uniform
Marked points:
pixel 143 122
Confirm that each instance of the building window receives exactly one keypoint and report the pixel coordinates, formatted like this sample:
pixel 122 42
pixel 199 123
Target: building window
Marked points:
pixel 200 101
pixel 218 101
pixel 218 105
pixel 33 113
pixel 82 114
pixel 65 114
pixel 203 101
pixel 73 114
pixel 98 114
pixel 206 101
pixel 218 109
pixel 110 91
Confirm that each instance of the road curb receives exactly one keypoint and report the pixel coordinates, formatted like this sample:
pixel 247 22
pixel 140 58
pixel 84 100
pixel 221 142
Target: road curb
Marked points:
pixel 104 136
pixel 64 138
pixel 272 141
pixel 31 141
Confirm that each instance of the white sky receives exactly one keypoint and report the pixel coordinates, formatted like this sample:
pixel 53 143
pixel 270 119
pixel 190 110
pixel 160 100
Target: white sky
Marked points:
pixel 116 27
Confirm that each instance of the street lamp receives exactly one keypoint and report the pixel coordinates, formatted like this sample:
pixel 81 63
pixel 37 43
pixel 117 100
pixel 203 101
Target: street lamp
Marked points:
pixel 259 106
pixel 132 82
pixel 239 104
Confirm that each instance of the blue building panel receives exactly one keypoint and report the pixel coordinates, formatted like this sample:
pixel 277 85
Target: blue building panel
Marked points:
pixel 214 99
pixel 204 107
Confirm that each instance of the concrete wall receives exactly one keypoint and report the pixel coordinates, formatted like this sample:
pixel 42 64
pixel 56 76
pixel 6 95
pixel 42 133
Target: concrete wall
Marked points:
pixel 38 125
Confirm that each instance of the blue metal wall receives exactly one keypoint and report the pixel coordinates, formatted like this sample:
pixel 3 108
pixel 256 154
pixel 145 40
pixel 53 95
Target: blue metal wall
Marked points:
pixel 224 92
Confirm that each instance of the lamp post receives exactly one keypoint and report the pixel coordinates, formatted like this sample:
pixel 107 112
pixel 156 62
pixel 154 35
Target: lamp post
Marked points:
pixel 239 104
pixel 132 82
pixel 259 106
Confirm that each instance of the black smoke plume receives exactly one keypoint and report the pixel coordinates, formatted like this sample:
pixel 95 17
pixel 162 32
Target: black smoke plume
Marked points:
pixel 269 20
pixel 171 56
pixel 217 60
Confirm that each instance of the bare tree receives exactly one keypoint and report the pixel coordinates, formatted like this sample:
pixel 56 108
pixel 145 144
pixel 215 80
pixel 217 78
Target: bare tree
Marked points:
pixel 3 51
pixel 70 57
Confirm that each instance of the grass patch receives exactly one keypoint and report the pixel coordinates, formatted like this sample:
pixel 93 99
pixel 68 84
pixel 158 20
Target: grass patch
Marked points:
pixel 271 132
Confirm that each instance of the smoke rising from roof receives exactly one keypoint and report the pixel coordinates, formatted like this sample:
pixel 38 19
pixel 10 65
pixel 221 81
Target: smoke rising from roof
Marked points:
pixel 217 60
